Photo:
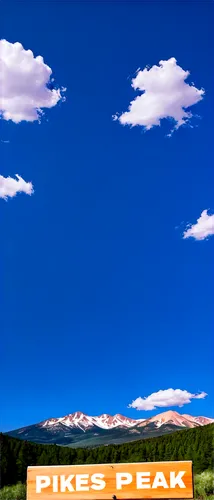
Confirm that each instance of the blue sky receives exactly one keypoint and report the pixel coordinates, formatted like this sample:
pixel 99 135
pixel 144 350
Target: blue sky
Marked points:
pixel 102 299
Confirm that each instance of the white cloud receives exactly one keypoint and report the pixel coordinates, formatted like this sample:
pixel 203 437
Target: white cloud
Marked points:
pixel 26 88
pixel 166 398
pixel 9 187
pixel 203 228
pixel 165 95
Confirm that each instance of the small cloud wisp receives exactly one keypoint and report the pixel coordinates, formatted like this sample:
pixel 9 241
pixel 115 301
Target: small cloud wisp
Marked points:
pixel 9 187
pixel 203 228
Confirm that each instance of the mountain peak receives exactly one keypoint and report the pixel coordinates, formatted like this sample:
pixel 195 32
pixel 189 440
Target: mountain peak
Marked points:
pixel 85 422
pixel 175 418
pixel 78 427
pixel 78 414
pixel 169 414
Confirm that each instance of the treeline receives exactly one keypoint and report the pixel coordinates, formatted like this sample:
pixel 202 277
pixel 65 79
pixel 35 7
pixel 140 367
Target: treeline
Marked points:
pixel 192 444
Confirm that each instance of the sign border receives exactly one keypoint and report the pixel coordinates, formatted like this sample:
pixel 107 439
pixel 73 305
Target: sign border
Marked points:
pixel 30 467
pixel 112 463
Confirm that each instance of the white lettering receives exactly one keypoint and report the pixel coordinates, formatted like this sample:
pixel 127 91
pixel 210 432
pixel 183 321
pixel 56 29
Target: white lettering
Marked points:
pixel 99 484
pixel 66 483
pixel 42 482
pixel 96 482
pixel 82 482
pixel 160 480
pixel 176 480
pixel 55 484
pixel 122 478
pixel 142 478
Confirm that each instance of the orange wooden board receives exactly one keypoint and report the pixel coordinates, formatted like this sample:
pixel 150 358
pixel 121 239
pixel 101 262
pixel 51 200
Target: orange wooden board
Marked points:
pixel 101 482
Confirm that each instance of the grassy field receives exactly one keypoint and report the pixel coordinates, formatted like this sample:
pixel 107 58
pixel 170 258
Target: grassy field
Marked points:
pixel 17 492
pixel 204 488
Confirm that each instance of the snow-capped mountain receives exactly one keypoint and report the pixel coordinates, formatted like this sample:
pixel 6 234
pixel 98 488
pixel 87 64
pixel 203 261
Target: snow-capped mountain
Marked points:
pixel 78 429
pixel 84 422
pixel 174 418
pixel 105 421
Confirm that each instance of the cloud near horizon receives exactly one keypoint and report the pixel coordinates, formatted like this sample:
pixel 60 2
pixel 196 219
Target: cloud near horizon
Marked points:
pixel 203 228
pixel 26 84
pixel 9 187
pixel 165 94
pixel 165 398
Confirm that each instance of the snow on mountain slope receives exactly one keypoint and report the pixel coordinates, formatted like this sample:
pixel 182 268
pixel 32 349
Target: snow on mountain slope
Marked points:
pixel 85 422
pixel 107 422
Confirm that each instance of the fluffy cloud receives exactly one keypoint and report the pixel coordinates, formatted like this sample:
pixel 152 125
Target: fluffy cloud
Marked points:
pixel 203 228
pixel 9 187
pixel 168 397
pixel 26 87
pixel 165 95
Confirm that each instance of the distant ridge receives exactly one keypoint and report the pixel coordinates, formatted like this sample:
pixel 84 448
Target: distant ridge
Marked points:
pixel 79 429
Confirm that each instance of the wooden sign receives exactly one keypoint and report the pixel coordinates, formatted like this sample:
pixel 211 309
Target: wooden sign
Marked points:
pixel 102 482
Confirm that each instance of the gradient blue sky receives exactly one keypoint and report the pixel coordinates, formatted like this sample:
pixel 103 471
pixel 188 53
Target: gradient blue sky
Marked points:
pixel 102 300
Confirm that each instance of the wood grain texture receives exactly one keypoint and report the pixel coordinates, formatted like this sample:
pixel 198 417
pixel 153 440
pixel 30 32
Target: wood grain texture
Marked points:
pixel 128 491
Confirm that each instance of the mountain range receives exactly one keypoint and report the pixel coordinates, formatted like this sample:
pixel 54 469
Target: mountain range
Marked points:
pixel 80 430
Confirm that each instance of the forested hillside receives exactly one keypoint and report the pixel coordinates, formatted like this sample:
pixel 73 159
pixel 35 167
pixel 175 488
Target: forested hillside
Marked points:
pixel 192 444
